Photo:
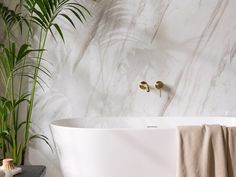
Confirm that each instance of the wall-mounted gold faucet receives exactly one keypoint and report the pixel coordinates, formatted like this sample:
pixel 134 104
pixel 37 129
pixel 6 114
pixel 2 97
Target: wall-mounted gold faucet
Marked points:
pixel 159 85
pixel 144 86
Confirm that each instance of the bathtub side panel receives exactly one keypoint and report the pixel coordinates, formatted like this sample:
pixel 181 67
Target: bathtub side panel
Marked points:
pixel 111 153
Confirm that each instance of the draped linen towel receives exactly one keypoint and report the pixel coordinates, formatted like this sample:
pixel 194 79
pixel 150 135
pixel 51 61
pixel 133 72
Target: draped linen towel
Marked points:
pixel 206 151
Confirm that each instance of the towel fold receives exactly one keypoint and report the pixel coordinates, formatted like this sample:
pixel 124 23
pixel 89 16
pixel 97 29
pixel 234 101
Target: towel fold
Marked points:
pixel 207 151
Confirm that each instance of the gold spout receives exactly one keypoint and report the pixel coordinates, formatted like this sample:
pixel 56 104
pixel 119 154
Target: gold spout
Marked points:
pixel 144 86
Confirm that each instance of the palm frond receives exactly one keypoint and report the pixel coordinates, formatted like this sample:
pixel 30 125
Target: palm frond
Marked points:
pixel 41 68
pixel 10 18
pixel 42 137
pixel 6 135
pixel 10 58
pixel 31 77
pixel 46 11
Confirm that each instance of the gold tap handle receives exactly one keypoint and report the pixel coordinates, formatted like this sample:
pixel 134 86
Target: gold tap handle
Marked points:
pixel 159 85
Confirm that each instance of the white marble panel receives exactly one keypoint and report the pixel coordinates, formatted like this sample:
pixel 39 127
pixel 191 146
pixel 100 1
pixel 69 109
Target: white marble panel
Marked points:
pixel 189 45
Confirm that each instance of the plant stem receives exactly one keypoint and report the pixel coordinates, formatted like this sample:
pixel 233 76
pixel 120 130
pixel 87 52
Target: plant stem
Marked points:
pixel 27 42
pixel 22 73
pixel 2 139
pixel 30 108
pixel 15 122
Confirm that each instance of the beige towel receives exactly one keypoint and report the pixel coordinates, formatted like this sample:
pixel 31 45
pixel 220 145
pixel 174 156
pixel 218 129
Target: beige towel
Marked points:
pixel 207 151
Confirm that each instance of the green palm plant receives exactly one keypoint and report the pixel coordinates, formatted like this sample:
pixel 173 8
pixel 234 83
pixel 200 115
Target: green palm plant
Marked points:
pixel 16 64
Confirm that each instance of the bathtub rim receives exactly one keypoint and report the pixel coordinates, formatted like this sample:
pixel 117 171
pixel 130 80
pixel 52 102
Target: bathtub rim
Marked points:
pixel 158 119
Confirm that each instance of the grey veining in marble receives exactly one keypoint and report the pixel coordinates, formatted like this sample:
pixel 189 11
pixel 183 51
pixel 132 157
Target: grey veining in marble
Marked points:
pixel 189 45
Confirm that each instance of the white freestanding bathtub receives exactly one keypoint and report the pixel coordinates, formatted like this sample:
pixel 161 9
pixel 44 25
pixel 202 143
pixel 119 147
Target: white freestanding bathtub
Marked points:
pixel 122 147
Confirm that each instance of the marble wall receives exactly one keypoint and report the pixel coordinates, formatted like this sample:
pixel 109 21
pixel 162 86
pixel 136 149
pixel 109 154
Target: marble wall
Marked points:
pixel 189 45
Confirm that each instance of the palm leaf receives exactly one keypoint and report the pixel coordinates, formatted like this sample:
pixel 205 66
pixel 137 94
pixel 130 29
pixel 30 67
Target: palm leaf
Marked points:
pixel 33 79
pixel 41 68
pixel 10 18
pixel 23 98
pixel 42 137
pixel 69 19
pixel 11 58
pixel 7 103
pixel 6 135
pixel 46 11
pixel 59 30
pixel 3 111
pixel 21 124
